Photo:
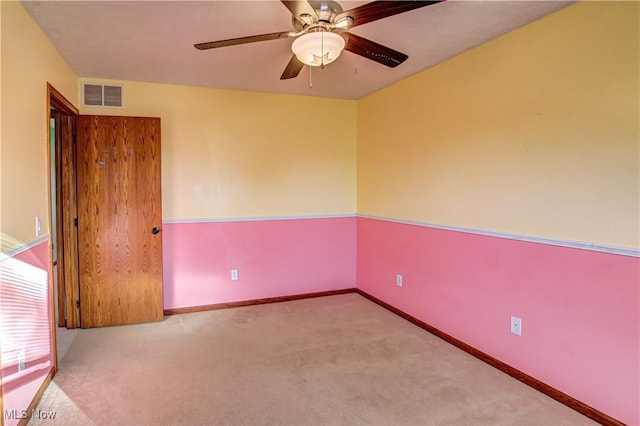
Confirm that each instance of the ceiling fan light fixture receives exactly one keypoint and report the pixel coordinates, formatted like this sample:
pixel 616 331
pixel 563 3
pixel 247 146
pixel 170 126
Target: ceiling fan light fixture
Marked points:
pixel 318 48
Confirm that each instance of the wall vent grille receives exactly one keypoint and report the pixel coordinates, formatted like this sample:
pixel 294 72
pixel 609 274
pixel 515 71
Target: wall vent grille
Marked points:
pixel 102 95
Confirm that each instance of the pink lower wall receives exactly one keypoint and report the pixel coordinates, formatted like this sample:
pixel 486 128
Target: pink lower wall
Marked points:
pixel 37 255
pixel 579 308
pixel 18 394
pixel 273 258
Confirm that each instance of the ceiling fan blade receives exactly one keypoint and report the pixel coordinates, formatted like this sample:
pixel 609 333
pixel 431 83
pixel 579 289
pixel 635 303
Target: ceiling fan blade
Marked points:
pixel 382 9
pixel 242 40
pixel 372 50
pixel 293 68
pixel 300 8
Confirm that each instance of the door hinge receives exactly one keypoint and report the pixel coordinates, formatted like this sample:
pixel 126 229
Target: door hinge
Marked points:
pixel 78 304
pixel 75 222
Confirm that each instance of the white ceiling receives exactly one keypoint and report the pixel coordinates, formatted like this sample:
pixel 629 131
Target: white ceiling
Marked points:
pixel 153 41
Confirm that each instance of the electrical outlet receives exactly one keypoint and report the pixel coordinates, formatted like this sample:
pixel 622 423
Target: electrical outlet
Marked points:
pixel 399 280
pixel 38 226
pixel 234 275
pixel 516 326
pixel 22 359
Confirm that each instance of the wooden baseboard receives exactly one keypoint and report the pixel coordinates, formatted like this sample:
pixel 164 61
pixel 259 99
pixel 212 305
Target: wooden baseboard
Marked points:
pixel 551 392
pixel 176 311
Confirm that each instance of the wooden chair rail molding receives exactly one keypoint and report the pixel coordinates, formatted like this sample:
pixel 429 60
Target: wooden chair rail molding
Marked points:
pixel 551 392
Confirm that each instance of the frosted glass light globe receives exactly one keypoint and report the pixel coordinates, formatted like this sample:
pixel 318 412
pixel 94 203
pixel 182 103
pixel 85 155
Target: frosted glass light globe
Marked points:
pixel 318 48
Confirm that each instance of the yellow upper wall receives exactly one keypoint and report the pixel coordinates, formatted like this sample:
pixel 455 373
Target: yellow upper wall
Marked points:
pixel 230 154
pixel 535 133
pixel 29 61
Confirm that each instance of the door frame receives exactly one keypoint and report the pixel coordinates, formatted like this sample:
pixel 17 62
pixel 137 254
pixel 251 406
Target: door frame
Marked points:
pixel 58 106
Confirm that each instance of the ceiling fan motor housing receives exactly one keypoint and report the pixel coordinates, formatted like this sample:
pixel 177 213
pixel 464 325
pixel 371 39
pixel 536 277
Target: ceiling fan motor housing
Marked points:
pixel 326 11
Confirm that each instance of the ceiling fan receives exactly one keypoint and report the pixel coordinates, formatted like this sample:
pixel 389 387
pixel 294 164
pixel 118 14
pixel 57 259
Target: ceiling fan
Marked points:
pixel 320 33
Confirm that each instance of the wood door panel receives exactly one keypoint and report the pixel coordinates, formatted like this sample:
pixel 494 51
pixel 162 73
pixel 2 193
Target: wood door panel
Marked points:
pixel 69 213
pixel 119 199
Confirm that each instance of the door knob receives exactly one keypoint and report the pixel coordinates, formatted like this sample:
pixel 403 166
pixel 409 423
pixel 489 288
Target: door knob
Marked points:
pixel 155 230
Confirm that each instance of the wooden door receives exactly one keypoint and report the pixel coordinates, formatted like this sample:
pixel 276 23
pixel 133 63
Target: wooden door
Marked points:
pixel 119 220
pixel 57 232
pixel 67 207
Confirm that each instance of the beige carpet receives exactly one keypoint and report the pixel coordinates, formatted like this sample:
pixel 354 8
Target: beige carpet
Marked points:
pixel 325 361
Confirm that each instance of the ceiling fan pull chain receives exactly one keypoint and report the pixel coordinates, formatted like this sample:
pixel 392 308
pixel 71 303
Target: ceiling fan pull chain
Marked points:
pixel 310 82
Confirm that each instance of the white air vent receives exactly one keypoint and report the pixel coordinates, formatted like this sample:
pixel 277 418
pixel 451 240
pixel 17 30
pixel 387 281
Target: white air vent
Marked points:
pixel 102 95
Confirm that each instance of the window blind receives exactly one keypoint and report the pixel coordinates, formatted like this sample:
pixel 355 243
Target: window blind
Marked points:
pixel 24 319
